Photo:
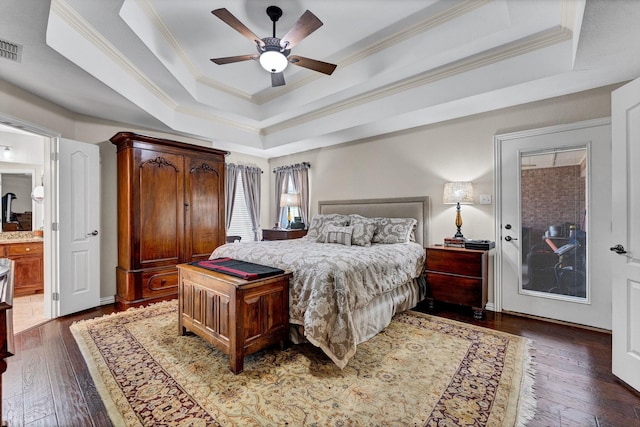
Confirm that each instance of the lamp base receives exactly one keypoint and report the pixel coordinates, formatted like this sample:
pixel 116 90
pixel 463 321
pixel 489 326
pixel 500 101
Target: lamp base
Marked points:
pixel 458 234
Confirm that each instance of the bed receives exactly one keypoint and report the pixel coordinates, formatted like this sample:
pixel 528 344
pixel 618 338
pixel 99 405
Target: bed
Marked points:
pixel 341 294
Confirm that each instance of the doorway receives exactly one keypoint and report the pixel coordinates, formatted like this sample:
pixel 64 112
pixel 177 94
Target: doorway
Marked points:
pixel 553 214
pixel 21 175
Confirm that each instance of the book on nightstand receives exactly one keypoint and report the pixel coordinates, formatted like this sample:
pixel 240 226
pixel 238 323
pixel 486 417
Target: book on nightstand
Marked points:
pixel 455 242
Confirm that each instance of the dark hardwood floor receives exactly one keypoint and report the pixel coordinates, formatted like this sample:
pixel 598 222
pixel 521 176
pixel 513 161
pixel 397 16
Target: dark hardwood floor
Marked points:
pixel 47 382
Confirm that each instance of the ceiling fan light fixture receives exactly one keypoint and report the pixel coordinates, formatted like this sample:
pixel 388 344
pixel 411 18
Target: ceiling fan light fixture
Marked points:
pixel 273 61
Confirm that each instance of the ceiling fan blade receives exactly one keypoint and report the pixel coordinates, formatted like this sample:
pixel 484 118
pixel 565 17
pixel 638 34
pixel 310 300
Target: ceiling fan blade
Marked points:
pixel 232 59
pixel 234 23
pixel 312 64
pixel 277 79
pixel 306 25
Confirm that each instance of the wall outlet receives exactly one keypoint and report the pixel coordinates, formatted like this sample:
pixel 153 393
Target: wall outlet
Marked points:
pixel 485 199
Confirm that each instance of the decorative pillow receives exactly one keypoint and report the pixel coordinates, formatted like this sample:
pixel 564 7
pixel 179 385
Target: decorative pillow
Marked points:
pixel 394 230
pixel 319 221
pixel 363 230
pixel 337 234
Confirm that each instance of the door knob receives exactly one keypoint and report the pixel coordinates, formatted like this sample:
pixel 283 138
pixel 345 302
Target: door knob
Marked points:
pixel 508 226
pixel 93 233
pixel 619 249
pixel 509 238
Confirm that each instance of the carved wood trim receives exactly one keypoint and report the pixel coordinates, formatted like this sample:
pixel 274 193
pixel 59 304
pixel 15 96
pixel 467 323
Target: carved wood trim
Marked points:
pixel 159 162
pixel 204 167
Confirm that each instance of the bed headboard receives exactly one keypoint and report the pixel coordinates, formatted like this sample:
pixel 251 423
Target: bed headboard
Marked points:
pixel 402 207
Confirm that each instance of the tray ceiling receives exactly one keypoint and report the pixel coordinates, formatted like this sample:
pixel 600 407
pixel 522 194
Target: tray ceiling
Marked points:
pixel 401 64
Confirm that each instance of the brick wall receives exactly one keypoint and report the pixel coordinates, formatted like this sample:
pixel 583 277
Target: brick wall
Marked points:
pixel 552 196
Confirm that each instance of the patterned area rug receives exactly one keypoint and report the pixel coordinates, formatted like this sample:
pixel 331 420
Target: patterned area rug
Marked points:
pixel 421 371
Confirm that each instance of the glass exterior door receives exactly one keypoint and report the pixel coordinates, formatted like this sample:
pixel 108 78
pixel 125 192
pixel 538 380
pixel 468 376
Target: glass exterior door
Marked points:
pixel 553 214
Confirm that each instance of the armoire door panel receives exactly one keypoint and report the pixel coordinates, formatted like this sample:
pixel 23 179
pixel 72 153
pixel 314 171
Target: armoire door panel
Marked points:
pixel 204 193
pixel 161 210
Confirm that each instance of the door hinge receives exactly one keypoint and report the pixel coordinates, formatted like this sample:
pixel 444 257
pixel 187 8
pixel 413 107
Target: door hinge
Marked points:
pixel 55 296
pixel 54 156
pixel 54 226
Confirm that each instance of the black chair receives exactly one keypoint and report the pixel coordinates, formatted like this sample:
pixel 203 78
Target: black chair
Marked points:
pixel 541 262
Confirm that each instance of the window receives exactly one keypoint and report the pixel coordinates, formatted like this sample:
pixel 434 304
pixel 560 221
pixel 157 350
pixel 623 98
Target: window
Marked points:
pixel 295 211
pixel 240 221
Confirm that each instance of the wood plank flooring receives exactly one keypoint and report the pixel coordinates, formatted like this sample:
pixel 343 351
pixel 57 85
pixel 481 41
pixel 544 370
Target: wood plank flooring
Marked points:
pixel 47 382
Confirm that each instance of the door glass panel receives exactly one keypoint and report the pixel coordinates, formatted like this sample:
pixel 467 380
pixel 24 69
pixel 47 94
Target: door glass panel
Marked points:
pixel 553 191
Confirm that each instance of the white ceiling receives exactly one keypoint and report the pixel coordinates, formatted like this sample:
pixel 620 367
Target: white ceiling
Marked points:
pixel 401 64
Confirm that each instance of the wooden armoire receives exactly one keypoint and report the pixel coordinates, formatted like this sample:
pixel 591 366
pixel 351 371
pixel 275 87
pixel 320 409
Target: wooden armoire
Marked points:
pixel 170 211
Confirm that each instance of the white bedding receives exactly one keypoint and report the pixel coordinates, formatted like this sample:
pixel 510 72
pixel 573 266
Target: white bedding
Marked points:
pixel 334 287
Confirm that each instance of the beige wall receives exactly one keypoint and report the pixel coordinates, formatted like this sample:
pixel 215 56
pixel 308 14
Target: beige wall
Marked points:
pixel 410 163
pixel 418 162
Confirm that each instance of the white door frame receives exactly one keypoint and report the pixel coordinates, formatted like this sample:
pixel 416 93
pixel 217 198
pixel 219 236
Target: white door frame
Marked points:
pixel 498 141
pixel 50 253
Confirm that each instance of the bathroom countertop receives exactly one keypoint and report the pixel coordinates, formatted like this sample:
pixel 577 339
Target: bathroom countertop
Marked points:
pixel 19 237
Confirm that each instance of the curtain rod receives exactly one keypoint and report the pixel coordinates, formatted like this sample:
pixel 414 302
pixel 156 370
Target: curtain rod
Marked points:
pixel 246 166
pixel 307 164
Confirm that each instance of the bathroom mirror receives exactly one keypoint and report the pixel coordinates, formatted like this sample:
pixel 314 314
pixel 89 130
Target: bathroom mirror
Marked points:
pixel 20 212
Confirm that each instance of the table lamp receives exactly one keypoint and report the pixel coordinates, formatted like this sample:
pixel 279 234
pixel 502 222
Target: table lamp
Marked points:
pixel 457 193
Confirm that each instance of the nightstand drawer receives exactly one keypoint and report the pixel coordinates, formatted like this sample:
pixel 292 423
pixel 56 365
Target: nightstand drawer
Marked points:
pixel 456 290
pixel 282 234
pixel 462 262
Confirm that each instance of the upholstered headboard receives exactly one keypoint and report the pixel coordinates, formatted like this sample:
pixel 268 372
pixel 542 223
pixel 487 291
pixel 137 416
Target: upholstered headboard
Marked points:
pixel 403 207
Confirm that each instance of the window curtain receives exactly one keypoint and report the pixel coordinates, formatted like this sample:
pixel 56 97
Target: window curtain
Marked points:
pixel 231 178
pixel 281 186
pixel 300 179
pixel 251 181
pixel 299 174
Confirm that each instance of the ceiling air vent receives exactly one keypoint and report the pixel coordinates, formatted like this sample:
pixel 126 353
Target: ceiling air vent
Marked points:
pixel 10 51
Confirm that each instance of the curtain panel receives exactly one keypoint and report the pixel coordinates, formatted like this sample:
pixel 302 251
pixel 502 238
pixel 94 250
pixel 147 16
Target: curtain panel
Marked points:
pixel 231 175
pixel 251 177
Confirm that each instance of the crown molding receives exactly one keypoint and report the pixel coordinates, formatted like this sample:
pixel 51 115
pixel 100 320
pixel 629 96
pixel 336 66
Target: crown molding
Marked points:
pixel 195 73
pixel 69 15
pixel 389 42
pixel 491 56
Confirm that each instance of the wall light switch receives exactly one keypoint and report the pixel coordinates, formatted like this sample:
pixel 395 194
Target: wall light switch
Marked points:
pixel 485 199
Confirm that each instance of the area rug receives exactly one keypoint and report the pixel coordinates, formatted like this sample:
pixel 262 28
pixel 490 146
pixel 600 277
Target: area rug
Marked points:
pixel 421 370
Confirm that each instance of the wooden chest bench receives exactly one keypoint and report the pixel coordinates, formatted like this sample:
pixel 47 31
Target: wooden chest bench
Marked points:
pixel 237 316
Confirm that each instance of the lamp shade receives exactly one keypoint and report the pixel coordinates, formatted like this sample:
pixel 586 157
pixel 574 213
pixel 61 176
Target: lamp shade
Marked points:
pixel 290 200
pixel 458 192
pixel 273 61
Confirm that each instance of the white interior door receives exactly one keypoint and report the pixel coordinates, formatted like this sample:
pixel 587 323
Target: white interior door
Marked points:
pixel 78 226
pixel 626 233
pixel 553 221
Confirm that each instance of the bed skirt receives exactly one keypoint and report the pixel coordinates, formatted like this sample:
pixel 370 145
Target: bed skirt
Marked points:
pixel 376 316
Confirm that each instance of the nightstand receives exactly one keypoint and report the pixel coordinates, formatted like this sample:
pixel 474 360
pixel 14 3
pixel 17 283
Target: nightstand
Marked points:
pixel 282 234
pixel 457 276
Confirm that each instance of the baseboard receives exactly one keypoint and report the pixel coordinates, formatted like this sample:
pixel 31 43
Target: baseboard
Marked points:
pixel 490 307
pixel 107 300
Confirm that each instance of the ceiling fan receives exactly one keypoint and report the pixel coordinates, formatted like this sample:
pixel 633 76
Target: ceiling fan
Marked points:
pixel 274 53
